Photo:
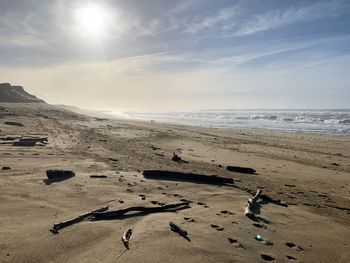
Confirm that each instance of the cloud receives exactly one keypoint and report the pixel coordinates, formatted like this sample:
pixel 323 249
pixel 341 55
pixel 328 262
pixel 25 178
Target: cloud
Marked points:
pixel 22 31
pixel 210 22
pixel 296 14
pixel 271 48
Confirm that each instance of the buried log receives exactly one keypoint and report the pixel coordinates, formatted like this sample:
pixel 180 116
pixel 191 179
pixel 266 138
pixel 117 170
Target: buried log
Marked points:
pixel 138 211
pixel 75 220
pixel 250 204
pixel 187 177
pixel 126 237
pixel 238 169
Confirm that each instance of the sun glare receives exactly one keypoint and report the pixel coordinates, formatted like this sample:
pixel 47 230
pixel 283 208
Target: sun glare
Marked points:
pixel 92 19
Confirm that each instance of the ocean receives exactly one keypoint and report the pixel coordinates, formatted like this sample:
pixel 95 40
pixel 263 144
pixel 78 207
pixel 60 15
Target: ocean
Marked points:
pixel 316 121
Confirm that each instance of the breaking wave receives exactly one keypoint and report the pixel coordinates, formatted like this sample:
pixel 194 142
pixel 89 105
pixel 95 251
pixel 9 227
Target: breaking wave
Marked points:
pixel 324 121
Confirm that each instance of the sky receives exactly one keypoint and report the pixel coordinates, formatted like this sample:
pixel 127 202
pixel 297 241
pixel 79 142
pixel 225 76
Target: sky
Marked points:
pixel 178 54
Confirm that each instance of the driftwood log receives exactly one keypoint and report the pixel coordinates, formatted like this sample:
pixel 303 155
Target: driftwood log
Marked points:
pixel 250 204
pixel 75 220
pixel 98 176
pixel 126 237
pixel 238 169
pixel 174 227
pixel 187 177
pixel 138 211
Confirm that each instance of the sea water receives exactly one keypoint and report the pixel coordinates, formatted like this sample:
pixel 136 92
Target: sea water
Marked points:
pixel 321 121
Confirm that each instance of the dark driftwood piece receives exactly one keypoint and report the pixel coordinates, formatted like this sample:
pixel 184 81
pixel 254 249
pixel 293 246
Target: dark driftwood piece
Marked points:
pixel 174 227
pixel 187 177
pixel 98 176
pixel 9 138
pixel 268 199
pixel 75 220
pixel 177 158
pixel 18 124
pixel 126 237
pixel 30 141
pixel 55 174
pixel 238 169
pixel 138 211
pixel 250 204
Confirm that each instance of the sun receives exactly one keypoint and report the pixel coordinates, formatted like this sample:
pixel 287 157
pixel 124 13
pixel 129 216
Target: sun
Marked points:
pixel 92 19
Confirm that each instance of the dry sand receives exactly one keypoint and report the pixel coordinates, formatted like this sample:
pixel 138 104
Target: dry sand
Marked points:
pixel 310 172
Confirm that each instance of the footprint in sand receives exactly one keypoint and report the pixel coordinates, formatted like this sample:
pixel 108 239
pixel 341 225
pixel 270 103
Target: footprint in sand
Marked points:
pixel 155 203
pixel 292 245
pixel 291 258
pixel 226 212
pixel 290 185
pixel 217 227
pixel 268 243
pixel 129 190
pixel 260 225
pixel 236 243
pixel 185 200
pixel 143 197
pixel 267 257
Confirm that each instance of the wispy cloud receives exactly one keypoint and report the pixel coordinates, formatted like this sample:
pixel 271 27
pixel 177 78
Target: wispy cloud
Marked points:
pixel 296 14
pixel 221 18
pixel 265 50
pixel 24 31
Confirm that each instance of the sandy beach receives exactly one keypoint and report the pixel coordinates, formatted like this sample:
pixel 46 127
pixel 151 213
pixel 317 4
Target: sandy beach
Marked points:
pixel 310 173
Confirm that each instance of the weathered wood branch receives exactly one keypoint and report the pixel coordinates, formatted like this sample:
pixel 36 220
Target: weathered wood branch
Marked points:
pixel 75 220
pixel 250 204
pixel 126 237
pixel 138 211
pixel 174 227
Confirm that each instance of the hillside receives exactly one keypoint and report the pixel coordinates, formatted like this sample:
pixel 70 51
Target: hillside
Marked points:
pixel 9 93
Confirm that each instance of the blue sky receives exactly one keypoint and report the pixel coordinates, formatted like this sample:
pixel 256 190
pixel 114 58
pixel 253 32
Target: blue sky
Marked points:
pixel 179 54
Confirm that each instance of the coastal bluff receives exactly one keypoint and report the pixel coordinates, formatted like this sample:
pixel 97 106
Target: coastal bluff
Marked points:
pixel 16 94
